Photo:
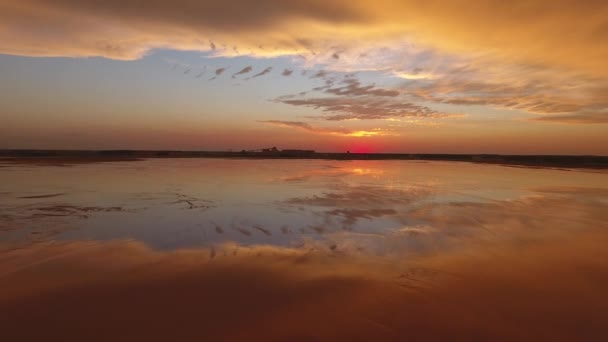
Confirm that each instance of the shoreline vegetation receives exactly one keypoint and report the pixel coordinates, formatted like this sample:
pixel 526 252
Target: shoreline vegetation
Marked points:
pixel 87 156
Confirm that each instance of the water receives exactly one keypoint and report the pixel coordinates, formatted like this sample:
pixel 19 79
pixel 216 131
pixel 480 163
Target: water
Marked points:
pixel 210 249
pixel 378 207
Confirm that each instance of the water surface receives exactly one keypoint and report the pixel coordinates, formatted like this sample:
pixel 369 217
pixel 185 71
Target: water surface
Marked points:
pixel 187 249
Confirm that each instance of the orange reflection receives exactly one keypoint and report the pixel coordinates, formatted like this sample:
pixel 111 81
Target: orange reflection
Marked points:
pixel 510 291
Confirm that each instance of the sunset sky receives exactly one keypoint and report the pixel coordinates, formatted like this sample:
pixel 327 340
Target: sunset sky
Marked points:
pixel 413 76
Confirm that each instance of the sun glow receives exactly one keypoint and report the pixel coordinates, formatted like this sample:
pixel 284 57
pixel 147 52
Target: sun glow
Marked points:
pixel 363 134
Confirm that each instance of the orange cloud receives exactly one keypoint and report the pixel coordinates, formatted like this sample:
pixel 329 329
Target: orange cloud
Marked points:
pixel 537 56
pixel 325 130
pixel 561 33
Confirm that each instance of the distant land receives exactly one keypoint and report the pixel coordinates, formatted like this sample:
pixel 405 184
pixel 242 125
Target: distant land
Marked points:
pixel 85 156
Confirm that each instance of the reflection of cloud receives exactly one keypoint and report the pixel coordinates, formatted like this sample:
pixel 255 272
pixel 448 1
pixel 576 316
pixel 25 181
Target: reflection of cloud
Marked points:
pixel 541 285
pixel 351 216
pixel 556 209
pixel 363 197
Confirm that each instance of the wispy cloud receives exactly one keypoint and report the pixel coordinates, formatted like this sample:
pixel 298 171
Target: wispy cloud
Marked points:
pixel 326 130
pixel 243 71
pixel 363 108
pixel 263 72
pixel 219 71
pixel 352 100
pixel 353 87
pixel 578 118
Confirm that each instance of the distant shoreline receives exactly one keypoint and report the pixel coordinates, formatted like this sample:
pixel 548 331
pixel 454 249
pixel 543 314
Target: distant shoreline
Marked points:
pixel 84 156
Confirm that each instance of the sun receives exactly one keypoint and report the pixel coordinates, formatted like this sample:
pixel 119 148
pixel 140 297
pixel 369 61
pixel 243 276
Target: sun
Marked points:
pixel 361 148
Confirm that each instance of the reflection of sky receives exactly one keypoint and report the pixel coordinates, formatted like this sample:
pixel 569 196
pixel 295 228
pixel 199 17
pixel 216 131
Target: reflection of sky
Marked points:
pixel 380 206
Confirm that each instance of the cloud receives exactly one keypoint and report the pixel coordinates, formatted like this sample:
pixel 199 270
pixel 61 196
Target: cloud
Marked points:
pixel 353 88
pixel 326 130
pixel 540 56
pixel 217 72
pixel 245 70
pixel 263 72
pixel 529 89
pixel 578 118
pixel 319 74
pixel 559 33
pixel 355 101
pixel 362 107
pixel 287 72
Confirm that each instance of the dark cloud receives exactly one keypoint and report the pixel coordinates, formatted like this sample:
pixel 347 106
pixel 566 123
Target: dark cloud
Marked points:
pixel 245 70
pixel 217 72
pixel 287 72
pixel 362 107
pixel 353 87
pixel 263 72
pixel 319 74
pixel 335 56
pixel 355 101
pixel 209 13
pixel 80 27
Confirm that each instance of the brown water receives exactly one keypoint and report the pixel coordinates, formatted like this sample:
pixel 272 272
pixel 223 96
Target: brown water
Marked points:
pixel 308 249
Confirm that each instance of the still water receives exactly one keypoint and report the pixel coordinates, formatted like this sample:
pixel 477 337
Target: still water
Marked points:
pixel 301 250
pixel 380 207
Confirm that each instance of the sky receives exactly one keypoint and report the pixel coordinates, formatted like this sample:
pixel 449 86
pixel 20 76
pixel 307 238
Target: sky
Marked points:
pixel 411 76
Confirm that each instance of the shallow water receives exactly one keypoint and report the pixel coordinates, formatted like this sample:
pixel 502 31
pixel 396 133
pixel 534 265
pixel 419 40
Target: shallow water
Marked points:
pixel 211 249
pixel 176 203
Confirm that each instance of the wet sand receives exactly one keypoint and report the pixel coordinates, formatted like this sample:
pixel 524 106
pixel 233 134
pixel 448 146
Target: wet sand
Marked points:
pixel 552 290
